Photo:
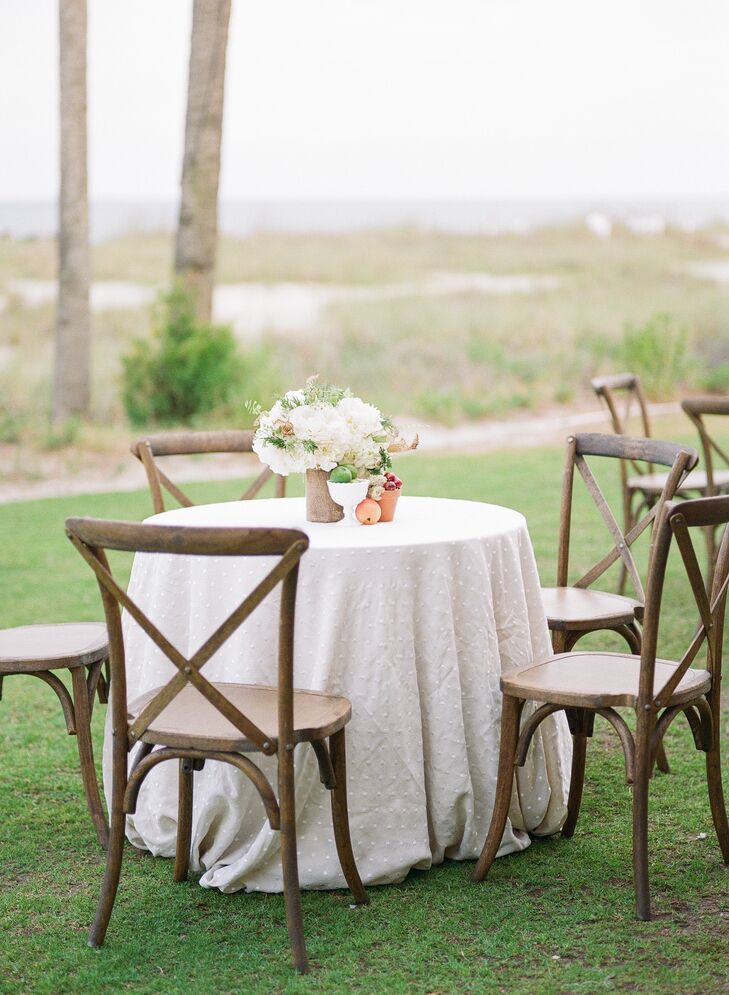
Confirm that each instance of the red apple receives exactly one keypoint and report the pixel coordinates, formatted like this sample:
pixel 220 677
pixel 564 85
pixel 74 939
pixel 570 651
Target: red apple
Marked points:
pixel 368 512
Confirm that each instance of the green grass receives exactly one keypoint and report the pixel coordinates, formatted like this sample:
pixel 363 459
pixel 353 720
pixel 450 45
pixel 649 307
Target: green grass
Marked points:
pixel 557 918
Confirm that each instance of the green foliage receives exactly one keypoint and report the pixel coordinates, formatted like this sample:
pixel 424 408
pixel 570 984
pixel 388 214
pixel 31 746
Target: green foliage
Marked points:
pixel 11 425
pixel 564 393
pixel 316 392
pixel 658 351
pixel 187 369
pixel 716 378
pixel 66 433
pixel 449 407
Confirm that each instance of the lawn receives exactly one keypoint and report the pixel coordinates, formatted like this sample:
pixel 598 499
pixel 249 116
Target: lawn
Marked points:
pixel 557 918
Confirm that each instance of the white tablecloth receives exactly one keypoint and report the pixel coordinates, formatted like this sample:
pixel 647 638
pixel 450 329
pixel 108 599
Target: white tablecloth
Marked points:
pixel 413 621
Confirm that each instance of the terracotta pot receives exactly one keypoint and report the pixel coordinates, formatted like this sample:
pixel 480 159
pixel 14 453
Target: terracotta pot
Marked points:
pixel 319 505
pixel 388 503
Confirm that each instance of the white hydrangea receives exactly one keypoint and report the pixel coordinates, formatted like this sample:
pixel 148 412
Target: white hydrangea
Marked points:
pixel 319 435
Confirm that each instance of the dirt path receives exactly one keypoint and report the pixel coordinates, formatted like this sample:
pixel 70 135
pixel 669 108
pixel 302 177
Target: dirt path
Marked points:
pixel 64 473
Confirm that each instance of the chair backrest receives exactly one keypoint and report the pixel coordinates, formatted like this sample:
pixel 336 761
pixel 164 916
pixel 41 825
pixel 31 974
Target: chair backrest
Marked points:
pixel 680 459
pixel 697 408
pixel 150 448
pixel 622 394
pixel 676 521
pixel 92 537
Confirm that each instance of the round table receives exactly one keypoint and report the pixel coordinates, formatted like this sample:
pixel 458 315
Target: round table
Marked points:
pixel 413 621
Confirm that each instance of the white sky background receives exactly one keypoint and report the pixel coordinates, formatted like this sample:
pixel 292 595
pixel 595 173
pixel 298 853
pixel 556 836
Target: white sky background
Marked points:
pixel 387 98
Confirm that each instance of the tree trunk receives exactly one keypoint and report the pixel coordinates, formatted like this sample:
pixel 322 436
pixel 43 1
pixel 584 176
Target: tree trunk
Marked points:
pixel 73 331
pixel 198 225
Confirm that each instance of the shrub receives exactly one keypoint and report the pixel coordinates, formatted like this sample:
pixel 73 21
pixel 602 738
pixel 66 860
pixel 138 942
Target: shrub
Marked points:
pixel 658 352
pixel 187 369
pixel 715 379
pixel 59 436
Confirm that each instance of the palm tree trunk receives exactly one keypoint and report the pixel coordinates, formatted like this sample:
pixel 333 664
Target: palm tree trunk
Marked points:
pixel 198 224
pixel 73 332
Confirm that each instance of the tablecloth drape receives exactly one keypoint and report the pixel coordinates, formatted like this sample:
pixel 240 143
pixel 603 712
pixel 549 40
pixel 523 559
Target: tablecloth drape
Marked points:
pixel 413 621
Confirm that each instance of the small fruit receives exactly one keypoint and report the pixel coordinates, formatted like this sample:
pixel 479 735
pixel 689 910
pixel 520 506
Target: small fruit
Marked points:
pixel 390 476
pixel 390 485
pixel 340 475
pixel 352 469
pixel 368 512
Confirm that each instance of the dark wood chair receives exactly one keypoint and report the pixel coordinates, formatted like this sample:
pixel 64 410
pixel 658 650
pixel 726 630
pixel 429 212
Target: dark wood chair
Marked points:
pixel 584 685
pixel 82 649
pixel 623 396
pixel 716 478
pixel 150 448
pixel 193 720
pixel 576 609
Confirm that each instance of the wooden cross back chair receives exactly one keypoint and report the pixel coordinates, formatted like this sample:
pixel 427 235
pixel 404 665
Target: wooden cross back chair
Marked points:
pixel 623 396
pixel 193 720
pixel 575 610
pixel 588 684
pixel 82 649
pixel 715 478
pixel 151 448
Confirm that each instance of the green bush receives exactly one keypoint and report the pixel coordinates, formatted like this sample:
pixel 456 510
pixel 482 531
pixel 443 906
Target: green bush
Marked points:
pixel 187 368
pixel 658 352
pixel 715 379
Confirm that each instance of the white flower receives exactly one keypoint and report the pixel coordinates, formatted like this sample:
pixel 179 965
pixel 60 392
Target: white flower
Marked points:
pixel 319 435
pixel 364 418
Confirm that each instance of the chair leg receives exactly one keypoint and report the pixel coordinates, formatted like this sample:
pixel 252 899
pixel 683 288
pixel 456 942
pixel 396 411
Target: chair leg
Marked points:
pixel 289 859
pixel 184 820
pixel 631 634
pixel 640 833
pixel 661 759
pixel 340 818
pixel 577 783
pixel 716 790
pixel 104 684
pixel 582 724
pixel 114 854
pixel 82 709
pixel 510 714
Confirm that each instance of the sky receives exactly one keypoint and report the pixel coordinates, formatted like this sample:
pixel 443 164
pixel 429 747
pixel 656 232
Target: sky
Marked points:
pixel 387 99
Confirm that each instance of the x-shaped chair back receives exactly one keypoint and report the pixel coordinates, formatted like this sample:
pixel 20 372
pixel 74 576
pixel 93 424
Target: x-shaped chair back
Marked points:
pixel 622 408
pixel 680 459
pixel 676 521
pixel 149 449
pixel 92 537
pixel 697 408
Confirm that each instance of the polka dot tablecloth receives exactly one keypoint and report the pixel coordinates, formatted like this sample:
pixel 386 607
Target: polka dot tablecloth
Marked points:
pixel 413 621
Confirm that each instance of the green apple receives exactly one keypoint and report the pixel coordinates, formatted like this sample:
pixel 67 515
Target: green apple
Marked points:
pixel 352 469
pixel 341 475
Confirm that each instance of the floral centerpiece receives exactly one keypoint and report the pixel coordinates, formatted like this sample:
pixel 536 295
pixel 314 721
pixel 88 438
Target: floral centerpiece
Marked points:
pixel 320 427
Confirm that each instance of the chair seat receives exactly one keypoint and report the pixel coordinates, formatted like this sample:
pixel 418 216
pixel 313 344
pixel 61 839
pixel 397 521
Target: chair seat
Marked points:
pixel 598 680
pixel 31 648
pixel 583 609
pixel 653 483
pixel 190 721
